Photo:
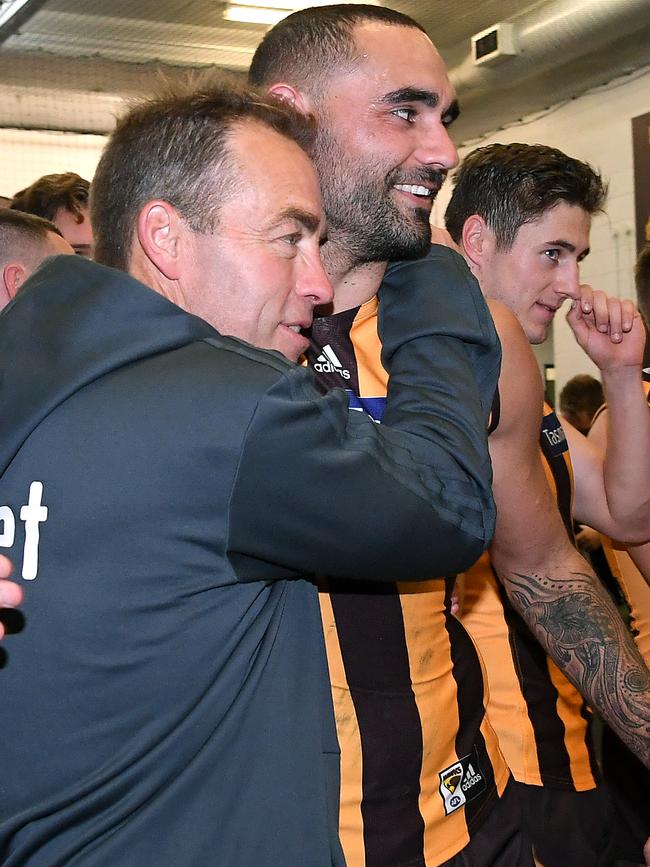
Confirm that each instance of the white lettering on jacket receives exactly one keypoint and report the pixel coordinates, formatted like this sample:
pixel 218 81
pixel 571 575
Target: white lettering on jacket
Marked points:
pixel 32 514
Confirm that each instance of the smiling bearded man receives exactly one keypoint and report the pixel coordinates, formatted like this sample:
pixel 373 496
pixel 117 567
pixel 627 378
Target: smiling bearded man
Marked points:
pixel 423 781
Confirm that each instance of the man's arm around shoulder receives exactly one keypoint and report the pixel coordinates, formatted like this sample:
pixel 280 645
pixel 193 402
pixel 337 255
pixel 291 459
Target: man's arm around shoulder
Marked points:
pixel 323 489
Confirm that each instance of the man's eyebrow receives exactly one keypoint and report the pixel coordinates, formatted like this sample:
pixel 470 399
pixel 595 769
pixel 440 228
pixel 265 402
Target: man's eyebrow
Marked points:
pixel 567 245
pixel 426 97
pixel 410 94
pixel 310 221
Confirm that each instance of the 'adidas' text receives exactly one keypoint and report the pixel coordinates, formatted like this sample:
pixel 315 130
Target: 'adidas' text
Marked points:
pixel 328 362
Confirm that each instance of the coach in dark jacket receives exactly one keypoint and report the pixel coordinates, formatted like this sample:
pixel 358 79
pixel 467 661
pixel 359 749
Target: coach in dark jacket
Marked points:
pixel 164 487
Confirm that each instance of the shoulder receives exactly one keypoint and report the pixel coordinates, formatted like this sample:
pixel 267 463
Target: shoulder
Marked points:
pixel 222 371
pixel 238 351
pixel 520 383
pixel 515 345
pixel 442 280
pixel 258 370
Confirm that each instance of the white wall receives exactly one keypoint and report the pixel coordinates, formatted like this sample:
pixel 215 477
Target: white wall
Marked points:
pixel 25 155
pixel 596 128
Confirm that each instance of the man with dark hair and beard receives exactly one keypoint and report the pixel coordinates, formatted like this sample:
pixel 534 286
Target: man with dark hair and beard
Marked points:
pixel 423 781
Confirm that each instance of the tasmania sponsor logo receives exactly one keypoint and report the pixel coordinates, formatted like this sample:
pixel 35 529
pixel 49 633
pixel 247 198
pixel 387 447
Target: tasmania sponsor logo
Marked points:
pixel 553 440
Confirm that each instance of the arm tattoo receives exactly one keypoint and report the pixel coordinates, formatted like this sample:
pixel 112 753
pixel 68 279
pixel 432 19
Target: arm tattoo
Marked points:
pixel 578 625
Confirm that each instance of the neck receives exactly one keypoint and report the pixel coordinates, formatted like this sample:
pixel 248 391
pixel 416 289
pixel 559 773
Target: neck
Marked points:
pixel 5 297
pixel 141 268
pixel 354 282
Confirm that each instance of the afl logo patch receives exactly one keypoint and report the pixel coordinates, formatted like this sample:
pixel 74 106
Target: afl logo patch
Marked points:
pixel 461 782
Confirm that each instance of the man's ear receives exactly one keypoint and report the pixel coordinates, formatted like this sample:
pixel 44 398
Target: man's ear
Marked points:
pixel 13 276
pixel 478 241
pixel 287 93
pixel 162 235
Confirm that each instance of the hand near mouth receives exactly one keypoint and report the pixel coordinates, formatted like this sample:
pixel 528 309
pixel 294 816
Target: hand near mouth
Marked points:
pixel 610 330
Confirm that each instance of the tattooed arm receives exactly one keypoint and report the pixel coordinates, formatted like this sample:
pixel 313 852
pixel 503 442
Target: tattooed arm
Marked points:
pixel 545 577
pixel 580 628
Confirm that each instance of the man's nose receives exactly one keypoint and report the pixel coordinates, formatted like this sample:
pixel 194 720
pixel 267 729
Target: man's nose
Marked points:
pixel 313 282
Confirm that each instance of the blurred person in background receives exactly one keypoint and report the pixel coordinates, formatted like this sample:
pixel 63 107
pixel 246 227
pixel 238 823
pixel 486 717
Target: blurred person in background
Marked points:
pixel 580 398
pixel 63 199
pixel 25 241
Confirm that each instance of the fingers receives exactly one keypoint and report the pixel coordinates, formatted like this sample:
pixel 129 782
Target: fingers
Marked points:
pixel 5 566
pixel 629 313
pixel 605 313
pixel 11 594
pixel 586 298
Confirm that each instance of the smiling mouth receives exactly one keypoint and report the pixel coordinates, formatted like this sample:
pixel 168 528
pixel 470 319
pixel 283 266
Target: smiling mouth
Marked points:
pixel 417 190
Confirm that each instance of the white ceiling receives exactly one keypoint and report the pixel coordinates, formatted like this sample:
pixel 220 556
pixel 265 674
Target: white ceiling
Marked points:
pixel 72 62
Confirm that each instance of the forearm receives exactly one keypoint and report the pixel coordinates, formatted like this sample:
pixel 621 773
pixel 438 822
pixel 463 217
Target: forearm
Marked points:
pixel 442 354
pixel 627 456
pixel 577 624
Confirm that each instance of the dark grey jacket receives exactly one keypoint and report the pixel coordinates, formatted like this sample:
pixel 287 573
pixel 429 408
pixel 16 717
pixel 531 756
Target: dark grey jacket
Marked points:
pixel 162 489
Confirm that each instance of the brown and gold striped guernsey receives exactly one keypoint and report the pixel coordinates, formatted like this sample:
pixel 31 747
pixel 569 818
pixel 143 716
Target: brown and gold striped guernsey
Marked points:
pixel 420 765
pixel 540 718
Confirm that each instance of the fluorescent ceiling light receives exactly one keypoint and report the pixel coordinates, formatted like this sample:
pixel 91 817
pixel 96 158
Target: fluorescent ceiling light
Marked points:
pixel 9 8
pixel 255 14
pixel 285 5
pixel 269 12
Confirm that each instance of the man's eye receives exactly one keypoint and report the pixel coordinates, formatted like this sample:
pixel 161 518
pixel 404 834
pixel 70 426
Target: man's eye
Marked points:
pixel 405 114
pixel 552 254
pixel 292 239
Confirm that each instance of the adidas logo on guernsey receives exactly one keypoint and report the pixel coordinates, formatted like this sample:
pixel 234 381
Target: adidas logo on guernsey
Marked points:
pixel 461 782
pixel 471 778
pixel 328 362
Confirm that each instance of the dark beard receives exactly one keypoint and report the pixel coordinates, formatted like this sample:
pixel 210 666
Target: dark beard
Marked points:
pixel 362 217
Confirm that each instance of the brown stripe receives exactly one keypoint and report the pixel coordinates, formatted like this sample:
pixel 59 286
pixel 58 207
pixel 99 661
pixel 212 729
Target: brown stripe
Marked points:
pixel 370 630
pixel 540 696
pixel 468 674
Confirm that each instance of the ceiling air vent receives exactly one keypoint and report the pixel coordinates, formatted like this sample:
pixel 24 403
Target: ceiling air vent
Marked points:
pixel 494 45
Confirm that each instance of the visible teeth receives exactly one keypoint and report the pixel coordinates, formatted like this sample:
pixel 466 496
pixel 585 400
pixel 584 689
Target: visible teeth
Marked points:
pixel 415 189
pixel 295 328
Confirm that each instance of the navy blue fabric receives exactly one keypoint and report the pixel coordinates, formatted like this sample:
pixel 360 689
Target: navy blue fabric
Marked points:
pixel 167 697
